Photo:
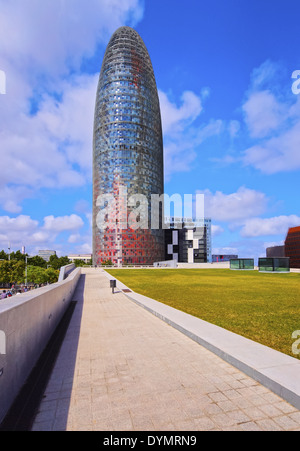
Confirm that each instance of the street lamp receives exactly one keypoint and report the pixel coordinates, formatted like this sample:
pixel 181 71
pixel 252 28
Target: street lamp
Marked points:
pixel 25 270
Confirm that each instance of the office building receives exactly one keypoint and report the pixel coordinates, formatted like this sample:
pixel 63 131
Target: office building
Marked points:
pixel 127 154
pixel 275 251
pixel 84 257
pixel 46 254
pixel 292 246
pixel 188 240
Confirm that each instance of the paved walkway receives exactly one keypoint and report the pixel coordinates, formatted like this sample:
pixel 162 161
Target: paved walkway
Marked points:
pixel 122 369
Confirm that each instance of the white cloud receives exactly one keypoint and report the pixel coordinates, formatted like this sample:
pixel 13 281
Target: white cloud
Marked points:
pixel 234 207
pixel 22 230
pixel 42 44
pixel 81 244
pixel 277 154
pixel 74 238
pixel 234 128
pixel 62 223
pixel 273 118
pixel 263 113
pixel 17 224
pixel 216 230
pixel 174 118
pixel 264 75
pixel 85 248
pixel 241 210
pixel 39 237
pixel 181 136
pixel 181 150
pixel 71 120
pixel 11 197
pixel 18 232
pixel 278 225
pixel 52 36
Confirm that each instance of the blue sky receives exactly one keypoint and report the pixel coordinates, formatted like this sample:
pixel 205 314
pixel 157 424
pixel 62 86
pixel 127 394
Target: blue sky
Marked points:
pixel 231 121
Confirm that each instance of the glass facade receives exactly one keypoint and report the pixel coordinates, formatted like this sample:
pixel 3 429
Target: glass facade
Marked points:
pixel 188 240
pixel 46 254
pixel 128 152
pixel 242 263
pixel 274 264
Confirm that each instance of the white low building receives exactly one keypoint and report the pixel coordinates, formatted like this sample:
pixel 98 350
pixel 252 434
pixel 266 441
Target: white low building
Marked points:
pixel 85 257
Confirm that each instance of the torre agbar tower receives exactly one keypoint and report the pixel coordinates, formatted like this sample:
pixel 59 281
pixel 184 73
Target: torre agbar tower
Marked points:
pixel 128 155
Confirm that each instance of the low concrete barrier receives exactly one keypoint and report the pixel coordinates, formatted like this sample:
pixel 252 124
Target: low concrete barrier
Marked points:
pixel 65 271
pixel 27 322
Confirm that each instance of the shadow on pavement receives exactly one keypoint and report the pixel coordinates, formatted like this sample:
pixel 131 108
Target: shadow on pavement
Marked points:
pixel 26 407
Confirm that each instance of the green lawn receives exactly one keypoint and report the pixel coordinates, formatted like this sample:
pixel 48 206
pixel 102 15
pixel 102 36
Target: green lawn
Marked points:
pixel 262 307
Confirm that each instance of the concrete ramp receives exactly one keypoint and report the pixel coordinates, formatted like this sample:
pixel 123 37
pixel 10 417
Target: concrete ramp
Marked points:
pixel 121 368
pixel 27 323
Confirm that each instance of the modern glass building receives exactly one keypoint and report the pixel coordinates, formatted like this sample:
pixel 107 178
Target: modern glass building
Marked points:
pixel 275 252
pixel 188 240
pixel 46 254
pixel 292 246
pixel 274 264
pixel 242 264
pixel 127 155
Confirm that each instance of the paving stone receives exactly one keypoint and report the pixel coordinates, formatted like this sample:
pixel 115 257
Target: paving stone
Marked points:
pixel 269 425
pixel 121 368
pixel 254 413
pixel 204 424
pixel 286 423
pixel 251 426
pixel 227 406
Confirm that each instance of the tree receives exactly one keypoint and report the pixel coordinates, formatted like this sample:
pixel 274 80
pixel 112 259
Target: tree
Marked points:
pixel 12 271
pixel 37 261
pixel 52 275
pixel 3 255
pixel 17 256
pixel 4 272
pixel 57 262
pixel 18 271
pixel 36 275
pixel 39 276
pixel 79 262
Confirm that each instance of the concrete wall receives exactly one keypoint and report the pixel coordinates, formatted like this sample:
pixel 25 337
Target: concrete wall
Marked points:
pixel 65 271
pixel 27 322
